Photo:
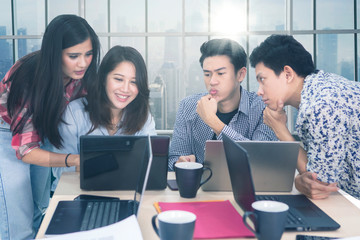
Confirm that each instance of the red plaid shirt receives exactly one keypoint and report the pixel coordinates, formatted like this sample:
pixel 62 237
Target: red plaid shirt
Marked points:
pixel 29 139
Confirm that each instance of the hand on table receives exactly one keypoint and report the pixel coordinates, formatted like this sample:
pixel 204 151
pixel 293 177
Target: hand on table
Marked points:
pixel 308 184
pixel 189 158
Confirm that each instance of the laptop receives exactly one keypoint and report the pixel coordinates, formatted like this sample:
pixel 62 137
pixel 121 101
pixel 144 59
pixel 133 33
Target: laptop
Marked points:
pixel 112 162
pixel 303 214
pixel 90 212
pixel 273 165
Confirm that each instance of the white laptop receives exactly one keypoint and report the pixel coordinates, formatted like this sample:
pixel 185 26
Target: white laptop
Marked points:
pixel 273 165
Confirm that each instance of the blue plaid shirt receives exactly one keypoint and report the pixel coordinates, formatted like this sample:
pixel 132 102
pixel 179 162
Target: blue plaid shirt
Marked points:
pixel 191 133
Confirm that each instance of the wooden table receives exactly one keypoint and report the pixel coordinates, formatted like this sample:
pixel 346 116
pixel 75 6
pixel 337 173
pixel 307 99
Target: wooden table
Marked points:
pixel 336 206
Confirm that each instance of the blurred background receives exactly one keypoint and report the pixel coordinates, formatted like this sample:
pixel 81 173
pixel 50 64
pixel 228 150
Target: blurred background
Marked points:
pixel 169 33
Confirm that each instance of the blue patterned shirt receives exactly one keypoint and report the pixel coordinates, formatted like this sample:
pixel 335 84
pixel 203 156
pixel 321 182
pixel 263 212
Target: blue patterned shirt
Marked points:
pixel 191 132
pixel 328 123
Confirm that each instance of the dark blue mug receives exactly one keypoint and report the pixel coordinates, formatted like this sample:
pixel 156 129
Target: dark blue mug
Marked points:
pixel 269 217
pixel 188 177
pixel 174 225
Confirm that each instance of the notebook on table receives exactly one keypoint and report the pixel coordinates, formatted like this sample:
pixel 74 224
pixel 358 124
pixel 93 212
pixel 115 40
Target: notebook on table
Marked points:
pixel 303 214
pixel 273 165
pixel 91 212
pixel 112 162
pixel 214 219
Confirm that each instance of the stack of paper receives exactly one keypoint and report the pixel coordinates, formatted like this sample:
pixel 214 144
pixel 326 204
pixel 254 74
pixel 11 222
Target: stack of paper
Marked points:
pixel 126 229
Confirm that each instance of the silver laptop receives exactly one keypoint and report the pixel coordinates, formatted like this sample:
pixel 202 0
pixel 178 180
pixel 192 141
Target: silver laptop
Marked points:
pixel 87 212
pixel 273 165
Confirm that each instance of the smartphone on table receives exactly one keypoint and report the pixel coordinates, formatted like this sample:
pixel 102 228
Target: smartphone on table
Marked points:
pixel 313 237
pixel 172 184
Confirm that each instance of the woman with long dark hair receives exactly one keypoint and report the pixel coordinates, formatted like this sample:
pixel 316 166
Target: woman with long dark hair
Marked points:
pixel 33 96
pixel 116 104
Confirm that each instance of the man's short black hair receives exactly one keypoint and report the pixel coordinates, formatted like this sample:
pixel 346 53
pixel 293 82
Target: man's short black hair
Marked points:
pixel 228 47
pixel 277 51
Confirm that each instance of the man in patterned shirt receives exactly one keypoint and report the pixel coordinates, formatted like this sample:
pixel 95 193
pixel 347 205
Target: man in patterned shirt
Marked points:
pixel 225 108
pixel 328 121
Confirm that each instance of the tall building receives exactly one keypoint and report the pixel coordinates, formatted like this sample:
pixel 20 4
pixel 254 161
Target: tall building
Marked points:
pixel 158 102
pixel 5 52
pixel 22 44
pixel 169 74
pixel 327 57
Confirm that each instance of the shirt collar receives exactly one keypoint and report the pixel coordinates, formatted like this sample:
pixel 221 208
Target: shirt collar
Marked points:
pixel 244 101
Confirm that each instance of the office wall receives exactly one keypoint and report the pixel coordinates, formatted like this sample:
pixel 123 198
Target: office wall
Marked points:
pixel 168 33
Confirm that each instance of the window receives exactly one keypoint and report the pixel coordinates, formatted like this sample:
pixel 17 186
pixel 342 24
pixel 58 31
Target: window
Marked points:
pixel 169 34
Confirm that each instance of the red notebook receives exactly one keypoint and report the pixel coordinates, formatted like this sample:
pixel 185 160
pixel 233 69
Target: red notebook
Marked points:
pixel 214 219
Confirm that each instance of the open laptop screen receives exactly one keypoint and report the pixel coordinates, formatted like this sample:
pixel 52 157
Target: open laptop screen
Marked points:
pixel 112 162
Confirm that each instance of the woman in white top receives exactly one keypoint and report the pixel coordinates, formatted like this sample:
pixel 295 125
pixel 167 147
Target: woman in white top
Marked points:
pixel 117 103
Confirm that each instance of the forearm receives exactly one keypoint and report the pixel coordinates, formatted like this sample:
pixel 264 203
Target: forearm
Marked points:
pixel 282 133
pixel 302 160
pixel 302 156
pixel 50 159
pixel 216 125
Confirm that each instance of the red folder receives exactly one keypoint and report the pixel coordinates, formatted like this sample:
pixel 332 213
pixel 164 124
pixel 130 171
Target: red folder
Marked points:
pixel 214 219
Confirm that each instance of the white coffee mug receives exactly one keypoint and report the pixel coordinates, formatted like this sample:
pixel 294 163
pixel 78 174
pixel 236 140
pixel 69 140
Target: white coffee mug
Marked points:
pixel 175 225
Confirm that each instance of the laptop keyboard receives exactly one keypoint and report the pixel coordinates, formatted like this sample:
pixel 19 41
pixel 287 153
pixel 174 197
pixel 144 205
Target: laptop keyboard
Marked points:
pixel 99 214
pixel 103 213
pixel 292 218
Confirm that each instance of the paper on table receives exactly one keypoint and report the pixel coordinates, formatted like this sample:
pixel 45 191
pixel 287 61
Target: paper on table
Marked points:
pixel 125 229
pixel 351 238
pixel 214 219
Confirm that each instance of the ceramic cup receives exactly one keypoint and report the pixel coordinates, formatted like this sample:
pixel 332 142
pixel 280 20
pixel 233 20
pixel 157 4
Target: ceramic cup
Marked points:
pixel 174 225
pixel 188 177
pixel 269 217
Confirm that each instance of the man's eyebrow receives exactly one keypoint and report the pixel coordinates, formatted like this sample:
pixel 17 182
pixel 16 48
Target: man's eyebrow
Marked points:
pixel 216 70
pixel 219 69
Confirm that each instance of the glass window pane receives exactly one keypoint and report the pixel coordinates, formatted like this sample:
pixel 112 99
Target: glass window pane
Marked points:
pixel 58 7
pixel 194 77
pixel 128 16
pixel 196 16
pixel 303 15
pixel 164 16
pixel 165 67
pixel 96 14
pixel 358 15
pixel 6 56
pixel 228 16
pixel 25 46
pixel 335 53
pixel 136 42
pixel 358 57
pixel 29 17
pixel 104 43
pixel 263 19
pixel 334 14
pixel 5 18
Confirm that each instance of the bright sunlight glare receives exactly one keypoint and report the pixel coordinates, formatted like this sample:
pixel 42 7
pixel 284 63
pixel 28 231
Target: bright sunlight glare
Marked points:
pixel 228 19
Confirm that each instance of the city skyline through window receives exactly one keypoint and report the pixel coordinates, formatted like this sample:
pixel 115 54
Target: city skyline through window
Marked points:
pixel 169 34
